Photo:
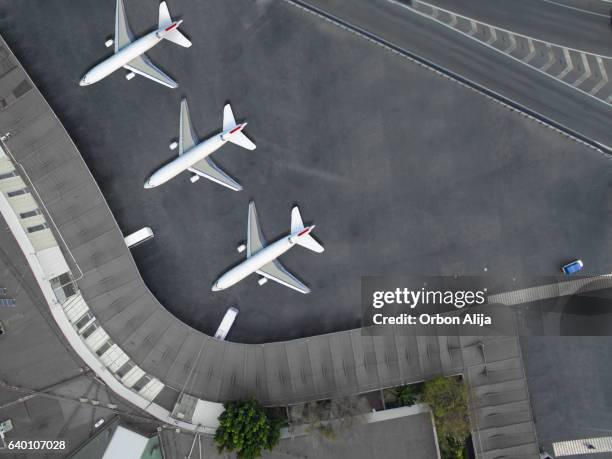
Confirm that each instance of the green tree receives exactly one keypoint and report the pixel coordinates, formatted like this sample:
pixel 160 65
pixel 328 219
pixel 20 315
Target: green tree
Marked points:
pixel 447 398
pixel 245 428
pixel 405 395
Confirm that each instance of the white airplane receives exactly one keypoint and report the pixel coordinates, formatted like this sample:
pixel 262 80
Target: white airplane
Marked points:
pixel 129 53
pixel 194 156
pixel 262 259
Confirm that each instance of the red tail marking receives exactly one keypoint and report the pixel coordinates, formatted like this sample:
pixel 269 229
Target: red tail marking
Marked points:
pixel 304 231
pixel 237 128
pixel 171 27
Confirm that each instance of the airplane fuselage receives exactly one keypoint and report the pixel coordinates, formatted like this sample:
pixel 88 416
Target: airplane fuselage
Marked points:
pixel 122 57
pixel 186 160
pixel 255 262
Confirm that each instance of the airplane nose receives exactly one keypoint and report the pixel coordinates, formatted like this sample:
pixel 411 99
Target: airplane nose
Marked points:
pixel 83 82
pixel 215 287
pixel 147 185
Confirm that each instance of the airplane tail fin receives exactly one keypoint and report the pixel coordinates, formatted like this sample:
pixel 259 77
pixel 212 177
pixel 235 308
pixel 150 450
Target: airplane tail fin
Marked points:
pixel 235 135
pixel 164 16
pixel 305 240
pixel 165 22
pixel 296 220
pixel 229 122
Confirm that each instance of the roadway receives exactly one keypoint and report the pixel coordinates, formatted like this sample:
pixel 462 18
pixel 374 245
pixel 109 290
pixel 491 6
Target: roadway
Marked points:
pixel 570 24
pixel 463 56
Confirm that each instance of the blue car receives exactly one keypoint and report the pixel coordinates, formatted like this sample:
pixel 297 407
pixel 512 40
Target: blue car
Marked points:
pixel 572 267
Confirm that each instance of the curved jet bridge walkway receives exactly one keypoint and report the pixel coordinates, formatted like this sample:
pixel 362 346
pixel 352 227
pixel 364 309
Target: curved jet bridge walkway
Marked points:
pixel 177 373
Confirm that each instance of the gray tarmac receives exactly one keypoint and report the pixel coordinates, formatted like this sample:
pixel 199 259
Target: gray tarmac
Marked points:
pixel 400 170
pixel 569 380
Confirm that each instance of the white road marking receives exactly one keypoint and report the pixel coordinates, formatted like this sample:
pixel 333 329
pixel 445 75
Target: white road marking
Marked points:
pixel 574 8
pixel 421 3
pixel 417 5
pixel 493 35
pixel 512 46
pixel 584 446
pixel 604 76
pixel 443 72
pixel 587 71
pixel 454 21
pixel 551 58
pixel 569 65
pixel 474 27
pixel 532 51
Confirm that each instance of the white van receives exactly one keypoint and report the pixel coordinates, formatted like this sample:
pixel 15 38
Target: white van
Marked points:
pixel 226 323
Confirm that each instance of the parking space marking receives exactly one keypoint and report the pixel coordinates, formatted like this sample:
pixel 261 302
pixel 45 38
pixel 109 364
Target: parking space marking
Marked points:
pixel 583 446
pixel 495 38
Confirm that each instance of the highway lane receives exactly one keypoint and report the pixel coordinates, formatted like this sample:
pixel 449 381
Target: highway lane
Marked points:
pixel 475 62
pixel 552 21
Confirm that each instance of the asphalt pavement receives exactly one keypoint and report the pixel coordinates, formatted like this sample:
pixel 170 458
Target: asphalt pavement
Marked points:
pixel 487 68
pixel 567 24
pixel 402 170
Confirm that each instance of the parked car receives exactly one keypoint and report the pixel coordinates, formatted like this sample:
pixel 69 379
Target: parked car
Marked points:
pixel 572 267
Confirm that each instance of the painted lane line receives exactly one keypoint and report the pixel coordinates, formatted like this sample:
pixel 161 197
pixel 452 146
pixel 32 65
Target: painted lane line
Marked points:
pixel 551 58
pixel 417 3
pixel 587 71
pixel 604 76
pixel 569 64
pixel 490 94
pixel 532 51
pixel 575 9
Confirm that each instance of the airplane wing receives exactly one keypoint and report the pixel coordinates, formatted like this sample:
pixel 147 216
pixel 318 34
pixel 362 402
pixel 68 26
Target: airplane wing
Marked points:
pixel 144 67
pixel 255 238
pixel 206 168
pixel 123 34
pixel 276 272
pixel 187 136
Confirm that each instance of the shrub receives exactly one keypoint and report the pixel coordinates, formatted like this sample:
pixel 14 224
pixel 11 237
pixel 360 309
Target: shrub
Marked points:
pixel 447 398
pixel 245 428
